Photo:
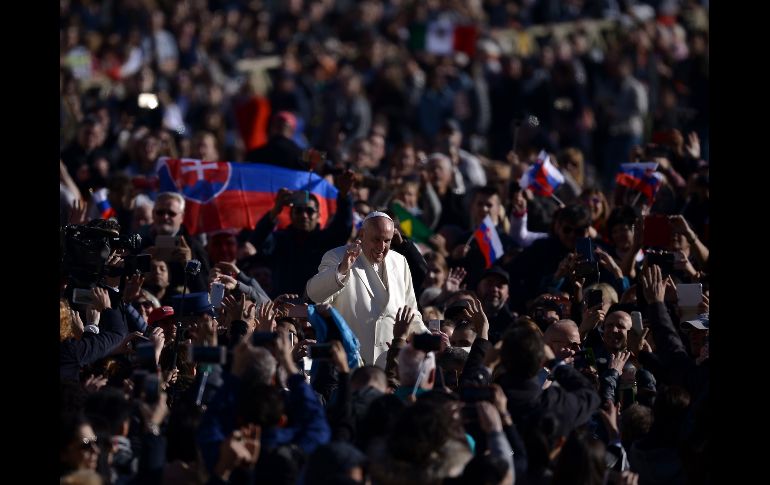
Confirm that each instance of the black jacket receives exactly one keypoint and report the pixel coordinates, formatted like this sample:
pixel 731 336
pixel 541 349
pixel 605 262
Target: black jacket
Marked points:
pixel 74 354
pixel 295 255
pixel 279 151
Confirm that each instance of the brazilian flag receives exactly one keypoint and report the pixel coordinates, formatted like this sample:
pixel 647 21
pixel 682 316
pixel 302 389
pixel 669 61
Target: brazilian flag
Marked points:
pixel 411 226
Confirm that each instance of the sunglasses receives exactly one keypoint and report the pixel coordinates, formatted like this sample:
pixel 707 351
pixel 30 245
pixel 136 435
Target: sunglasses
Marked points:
pixel 88 443
pixel 307 210
pixel 162 212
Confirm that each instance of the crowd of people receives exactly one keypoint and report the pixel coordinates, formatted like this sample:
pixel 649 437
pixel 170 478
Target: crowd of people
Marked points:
pixel 361 350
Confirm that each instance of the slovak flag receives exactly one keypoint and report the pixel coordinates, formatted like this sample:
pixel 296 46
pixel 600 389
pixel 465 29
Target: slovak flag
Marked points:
pixel 542 178
pixel 641 177
pixel 103 204
pixel 223 195
pixel 489 241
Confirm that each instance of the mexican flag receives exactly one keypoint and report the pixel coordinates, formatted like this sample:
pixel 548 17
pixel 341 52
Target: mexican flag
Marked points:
pixel 443 37
pixel 411 226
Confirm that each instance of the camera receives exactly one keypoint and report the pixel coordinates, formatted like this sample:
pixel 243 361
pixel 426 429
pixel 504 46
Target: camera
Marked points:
pixel 86 248
pixel 664 260
pixel 584 359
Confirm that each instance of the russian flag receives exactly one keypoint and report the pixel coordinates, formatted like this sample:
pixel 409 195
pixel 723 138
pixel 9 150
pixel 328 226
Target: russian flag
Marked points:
pixel 641 177
pixel 542 178
pixel 489 241
pixel 102 203
pixel 223 195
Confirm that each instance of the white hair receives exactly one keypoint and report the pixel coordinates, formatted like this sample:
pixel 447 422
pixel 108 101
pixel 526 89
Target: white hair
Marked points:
pixel 172 195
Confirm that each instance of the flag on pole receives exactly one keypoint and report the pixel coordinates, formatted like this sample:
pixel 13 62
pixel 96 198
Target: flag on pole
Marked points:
pixel 411 226
pixel 489 241
pixel 641 177
pixel 543 177
pixel 222 195
pixel 102 202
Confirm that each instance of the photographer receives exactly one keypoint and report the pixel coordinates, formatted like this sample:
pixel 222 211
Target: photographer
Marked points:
pixel 168 214
pixel 295 252
pixel 77 348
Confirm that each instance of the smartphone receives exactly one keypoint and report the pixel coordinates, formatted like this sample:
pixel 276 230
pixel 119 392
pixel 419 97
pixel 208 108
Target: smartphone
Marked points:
pixel 320 351
pixel 164 247
pixel 298 311
pixel 299 197
pixel 435 325
pixel 636 323
pixel 657 231
pixel 166 241
pixel 689 294
pixel 593 298
pixel 427 342
pixel 665 261
pixel 217 293
pixel 585 249
pixel 83 296
pixel 139 264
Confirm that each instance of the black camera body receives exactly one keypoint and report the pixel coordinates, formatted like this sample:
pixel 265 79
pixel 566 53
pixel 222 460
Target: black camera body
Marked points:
pixel 85 250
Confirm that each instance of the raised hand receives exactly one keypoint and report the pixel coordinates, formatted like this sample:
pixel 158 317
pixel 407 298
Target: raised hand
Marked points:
pixel 478 318
pixel 693 145
pixel 618 361
pixel 351 254
pixel 454 279
pixel 266 317
pixel 339 357
pixel 345 182
pixel 101 299
pixel 182 252
pixel 282 199
pixel 229 282
pixel 404 317
pixel 609 263
pixel 228 268
pixel 132 288
pixel 78 212
pixel 653 284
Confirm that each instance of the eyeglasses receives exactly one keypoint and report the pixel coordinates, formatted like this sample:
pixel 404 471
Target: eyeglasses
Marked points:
pixel 307 210
pixel 162 212
pixel 89 443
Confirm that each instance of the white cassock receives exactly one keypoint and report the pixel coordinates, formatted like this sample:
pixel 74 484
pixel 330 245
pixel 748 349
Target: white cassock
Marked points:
pixel 368 301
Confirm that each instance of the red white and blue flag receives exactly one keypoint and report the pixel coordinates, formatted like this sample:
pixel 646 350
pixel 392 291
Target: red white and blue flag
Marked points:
pixel 641 177
pixel 223 195
pixel 102 203
pixel 543 177
pixel 489 241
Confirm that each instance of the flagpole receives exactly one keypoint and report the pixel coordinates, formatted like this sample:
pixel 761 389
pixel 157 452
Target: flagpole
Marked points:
pixel 636 199
pixel 557 200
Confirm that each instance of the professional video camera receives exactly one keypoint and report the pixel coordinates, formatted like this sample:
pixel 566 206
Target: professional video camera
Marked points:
pixel 85 250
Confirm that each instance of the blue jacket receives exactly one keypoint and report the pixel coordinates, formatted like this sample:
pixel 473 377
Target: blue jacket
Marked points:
pixel 307 426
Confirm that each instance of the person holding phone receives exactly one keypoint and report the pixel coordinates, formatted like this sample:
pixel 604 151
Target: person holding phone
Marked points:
pixel 168 215
pixel 294 252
